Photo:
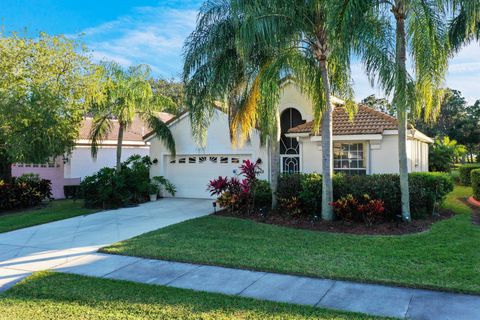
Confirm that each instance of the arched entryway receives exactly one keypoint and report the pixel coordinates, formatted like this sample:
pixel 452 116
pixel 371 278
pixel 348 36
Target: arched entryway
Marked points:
pixel 289 147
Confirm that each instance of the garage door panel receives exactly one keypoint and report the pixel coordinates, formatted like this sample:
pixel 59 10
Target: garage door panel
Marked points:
pixel 191 174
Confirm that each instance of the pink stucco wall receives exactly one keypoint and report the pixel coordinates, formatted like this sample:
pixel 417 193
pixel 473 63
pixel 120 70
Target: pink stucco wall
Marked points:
pixel 54 174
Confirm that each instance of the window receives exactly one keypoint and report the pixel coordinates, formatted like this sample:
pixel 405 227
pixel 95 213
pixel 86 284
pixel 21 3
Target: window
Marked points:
pixel 182 160
pixel 213 159
pixel 192 160
pixel 349 158
pixel 223 159
pixel 202 159
pixel 173 160
pixel 235 160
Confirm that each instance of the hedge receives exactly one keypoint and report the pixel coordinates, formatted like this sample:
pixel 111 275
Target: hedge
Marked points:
pixel 475 178
pixel 465 173
pixel 426 189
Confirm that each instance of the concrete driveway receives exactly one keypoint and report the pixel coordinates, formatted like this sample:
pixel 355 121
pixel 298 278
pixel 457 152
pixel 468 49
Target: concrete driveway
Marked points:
pixel 51 245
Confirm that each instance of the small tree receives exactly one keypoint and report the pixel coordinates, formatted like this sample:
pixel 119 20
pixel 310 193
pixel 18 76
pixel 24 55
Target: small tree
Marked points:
pixel 127 94
pixel 444 153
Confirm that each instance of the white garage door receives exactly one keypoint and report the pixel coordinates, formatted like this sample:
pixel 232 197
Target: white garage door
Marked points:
pixel 191 174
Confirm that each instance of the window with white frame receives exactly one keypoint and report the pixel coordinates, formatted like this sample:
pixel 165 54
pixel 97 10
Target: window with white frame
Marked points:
pixel 349 158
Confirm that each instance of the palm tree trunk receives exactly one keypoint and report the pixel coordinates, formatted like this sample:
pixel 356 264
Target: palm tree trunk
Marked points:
pixel 401 105
pixel 121 128
pixel 274 146
pixel 327 148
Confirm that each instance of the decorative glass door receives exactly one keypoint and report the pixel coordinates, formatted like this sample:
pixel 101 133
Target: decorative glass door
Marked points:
pixel 289 147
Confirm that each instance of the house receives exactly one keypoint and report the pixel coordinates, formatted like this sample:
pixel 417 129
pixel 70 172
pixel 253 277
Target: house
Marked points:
pixel 71 168
pixel 366 145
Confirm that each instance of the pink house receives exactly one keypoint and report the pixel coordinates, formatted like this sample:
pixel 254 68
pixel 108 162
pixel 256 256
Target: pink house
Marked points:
pixel 72 168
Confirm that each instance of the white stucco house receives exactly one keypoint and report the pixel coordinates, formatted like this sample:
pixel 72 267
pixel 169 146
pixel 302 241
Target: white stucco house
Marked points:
pixel 72 168
pixel 366 145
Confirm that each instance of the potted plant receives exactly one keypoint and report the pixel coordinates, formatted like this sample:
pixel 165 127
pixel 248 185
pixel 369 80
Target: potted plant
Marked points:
pixel 153 190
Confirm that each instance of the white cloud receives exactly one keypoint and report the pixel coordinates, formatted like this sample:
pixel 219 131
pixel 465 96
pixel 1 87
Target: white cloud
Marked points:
pixel 150 35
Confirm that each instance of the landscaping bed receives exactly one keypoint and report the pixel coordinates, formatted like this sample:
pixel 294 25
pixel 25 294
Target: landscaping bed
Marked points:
pixel 446 257
pixel 50 296
pixel 340 226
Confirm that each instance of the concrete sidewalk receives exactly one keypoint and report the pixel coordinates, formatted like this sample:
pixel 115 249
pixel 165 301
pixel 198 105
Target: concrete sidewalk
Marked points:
pixel 341 295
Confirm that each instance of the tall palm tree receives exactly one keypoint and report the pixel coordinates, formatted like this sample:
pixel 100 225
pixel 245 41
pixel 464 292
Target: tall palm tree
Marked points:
pixel 465 26
pixel 216 72
pixel 270 40
pixel 127 94
pixel 414 28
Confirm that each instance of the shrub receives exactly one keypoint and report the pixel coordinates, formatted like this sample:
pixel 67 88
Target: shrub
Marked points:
pixel 311 194
pixel 236 194
pixel 262 195
pixel 475 178
pixel 105 189
pixel 72 192
pixel 443 152
pixel 23 192
pixel 465 173
pixel 300 194
pixel 363 209
pixel 426 190
pixel 111 189
pixel 288 193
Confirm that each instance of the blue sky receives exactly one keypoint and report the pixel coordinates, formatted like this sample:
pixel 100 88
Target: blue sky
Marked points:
pixel 153 32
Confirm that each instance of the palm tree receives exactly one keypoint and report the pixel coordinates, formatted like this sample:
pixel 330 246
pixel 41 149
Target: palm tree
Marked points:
pixel 383 33
pixel 268 41
pixel 216 72
pixel 465 26
pixel 127 94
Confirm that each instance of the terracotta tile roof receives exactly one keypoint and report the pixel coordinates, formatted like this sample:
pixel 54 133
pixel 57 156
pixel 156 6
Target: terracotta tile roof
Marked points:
pixel 134 133
pixel 365 121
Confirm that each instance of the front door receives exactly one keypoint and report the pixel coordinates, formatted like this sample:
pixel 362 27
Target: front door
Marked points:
pixel 289 147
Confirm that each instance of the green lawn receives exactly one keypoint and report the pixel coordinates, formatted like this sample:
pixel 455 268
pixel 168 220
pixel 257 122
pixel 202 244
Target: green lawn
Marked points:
pixel 55 210
pixel 61 296
pixel 446 257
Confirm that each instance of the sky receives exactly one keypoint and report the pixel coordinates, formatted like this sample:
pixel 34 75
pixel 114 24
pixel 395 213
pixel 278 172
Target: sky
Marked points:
pixel 153 32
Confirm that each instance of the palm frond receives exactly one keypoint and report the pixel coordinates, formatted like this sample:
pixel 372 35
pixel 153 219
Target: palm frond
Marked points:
pixel 101 127
pixel 161 130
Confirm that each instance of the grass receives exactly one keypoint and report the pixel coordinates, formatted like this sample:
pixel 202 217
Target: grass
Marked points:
pixel 447 257
pixel 53 296
pixel 55 210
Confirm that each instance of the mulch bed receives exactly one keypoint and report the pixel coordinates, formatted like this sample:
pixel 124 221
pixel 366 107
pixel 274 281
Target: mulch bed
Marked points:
pixel 384 228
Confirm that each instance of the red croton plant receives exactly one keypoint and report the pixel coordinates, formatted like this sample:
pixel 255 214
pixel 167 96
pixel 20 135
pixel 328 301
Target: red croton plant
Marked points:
pixel 235 193
pixel 365 209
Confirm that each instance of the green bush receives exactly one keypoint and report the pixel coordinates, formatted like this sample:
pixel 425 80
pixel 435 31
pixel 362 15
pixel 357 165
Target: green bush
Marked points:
pixel 288 193
pixel 311 194
pixel 26 191
pixel 426 189
pixel 111 189
pixel 72 192
pixel 475 178
pixel 105 189
pixel 465 173
pixel 263 194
